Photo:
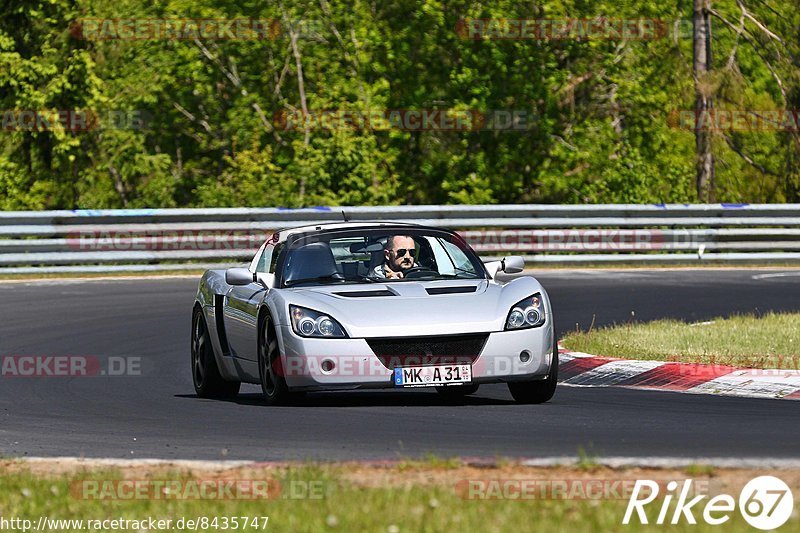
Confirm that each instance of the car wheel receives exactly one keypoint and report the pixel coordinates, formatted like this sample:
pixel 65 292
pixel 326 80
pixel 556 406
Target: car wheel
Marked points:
pixel 537 391
pixel 273 385
pixel 208 383
pixel 457 391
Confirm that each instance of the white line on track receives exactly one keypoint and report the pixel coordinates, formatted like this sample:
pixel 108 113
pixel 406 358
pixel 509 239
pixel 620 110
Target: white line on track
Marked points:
pixel 775 275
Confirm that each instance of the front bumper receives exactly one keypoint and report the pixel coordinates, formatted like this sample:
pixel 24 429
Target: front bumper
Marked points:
pixel 336 364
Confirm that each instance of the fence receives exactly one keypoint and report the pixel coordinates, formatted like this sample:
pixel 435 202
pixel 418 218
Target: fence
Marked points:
pixel 172 239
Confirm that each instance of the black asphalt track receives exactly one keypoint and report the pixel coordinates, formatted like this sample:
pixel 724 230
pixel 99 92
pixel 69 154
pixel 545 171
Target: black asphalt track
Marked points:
pixel 156 415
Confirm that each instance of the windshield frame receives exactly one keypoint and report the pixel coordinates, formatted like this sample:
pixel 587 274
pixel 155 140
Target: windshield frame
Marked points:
pixel 300 239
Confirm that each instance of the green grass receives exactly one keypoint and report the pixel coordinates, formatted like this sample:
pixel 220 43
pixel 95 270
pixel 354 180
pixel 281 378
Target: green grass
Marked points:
pixel 431 461
pixel 768 341
pixel 343 506
pixel 586 461
pixel 699 469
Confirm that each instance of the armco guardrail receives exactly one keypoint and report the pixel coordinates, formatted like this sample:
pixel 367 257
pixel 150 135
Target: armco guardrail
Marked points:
pixel 164 239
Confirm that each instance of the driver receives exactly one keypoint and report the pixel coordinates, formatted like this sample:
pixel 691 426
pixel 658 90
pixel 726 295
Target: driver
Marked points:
pixel 398 255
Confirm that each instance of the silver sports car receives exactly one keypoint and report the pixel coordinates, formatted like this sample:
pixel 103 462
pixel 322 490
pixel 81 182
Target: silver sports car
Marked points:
pixel 371 305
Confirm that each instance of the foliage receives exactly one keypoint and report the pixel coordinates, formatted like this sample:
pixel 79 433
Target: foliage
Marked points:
pixel 201 122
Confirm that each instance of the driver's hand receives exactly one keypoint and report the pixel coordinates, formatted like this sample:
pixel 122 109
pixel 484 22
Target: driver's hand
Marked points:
pixel 394 275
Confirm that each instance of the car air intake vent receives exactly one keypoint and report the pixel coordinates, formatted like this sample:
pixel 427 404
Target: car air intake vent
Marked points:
pixel 365 294
pixel 420 351
pixel 451 290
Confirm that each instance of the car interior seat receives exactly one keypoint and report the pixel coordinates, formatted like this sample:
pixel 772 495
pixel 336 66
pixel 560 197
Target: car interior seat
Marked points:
pixel 377 257
pixel 313 260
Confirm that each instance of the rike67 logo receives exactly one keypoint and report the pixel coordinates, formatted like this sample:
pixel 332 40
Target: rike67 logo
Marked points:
pixel 765 503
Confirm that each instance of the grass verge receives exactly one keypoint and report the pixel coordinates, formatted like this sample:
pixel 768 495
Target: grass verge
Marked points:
pixel 768 341
pixel 408 497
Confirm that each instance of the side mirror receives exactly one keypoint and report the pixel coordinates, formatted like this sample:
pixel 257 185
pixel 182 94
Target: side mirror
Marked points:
pixel 513 264
pixel 239 276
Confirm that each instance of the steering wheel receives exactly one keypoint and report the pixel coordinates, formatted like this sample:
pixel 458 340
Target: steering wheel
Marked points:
pixel 411 272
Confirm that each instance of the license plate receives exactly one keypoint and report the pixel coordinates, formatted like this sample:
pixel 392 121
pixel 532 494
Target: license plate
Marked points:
pixel 426 376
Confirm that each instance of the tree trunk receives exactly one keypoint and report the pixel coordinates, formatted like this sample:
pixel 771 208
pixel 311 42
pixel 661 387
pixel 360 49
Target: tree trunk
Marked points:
pixel 703 104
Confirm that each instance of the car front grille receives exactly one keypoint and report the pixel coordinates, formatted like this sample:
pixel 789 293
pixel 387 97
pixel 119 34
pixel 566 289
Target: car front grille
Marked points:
pixel 424 351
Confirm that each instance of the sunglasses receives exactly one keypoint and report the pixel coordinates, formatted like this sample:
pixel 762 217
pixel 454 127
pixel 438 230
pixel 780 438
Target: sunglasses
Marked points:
pixel 402 251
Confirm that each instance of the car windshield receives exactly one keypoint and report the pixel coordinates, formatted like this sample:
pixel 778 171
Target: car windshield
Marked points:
pixel 384 254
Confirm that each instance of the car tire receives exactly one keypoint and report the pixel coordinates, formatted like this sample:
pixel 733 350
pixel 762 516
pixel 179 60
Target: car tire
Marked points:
pixel 539 391
pixel 208 382
pixel 457 391
pixel 273 384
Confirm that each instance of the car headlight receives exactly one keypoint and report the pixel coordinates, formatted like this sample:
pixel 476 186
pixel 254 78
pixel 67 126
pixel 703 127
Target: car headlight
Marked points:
pixel 528 313
pixel 310 323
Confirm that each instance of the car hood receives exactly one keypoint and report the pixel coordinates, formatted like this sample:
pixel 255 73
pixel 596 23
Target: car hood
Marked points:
pixel 411 308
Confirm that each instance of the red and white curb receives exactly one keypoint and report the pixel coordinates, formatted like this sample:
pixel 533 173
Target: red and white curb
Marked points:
pixel 582 369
